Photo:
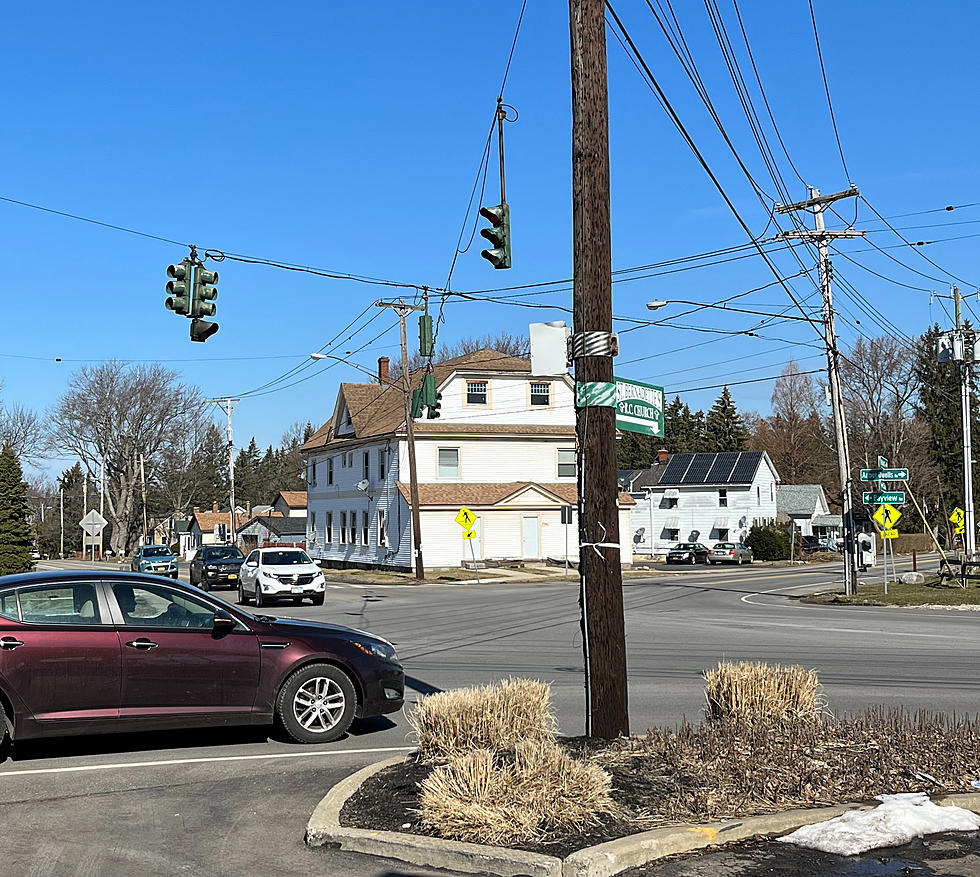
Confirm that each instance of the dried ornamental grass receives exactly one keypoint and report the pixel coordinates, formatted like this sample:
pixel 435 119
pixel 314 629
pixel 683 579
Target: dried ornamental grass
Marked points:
pixel 496 717
pixel 536 793
pixel 748 693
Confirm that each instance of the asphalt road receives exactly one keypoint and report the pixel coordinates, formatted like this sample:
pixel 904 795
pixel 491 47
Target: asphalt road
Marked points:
pixel 237 802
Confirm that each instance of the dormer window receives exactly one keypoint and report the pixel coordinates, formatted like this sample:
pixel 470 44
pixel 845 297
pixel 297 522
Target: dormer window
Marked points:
pixel 347 420
pixel 476 392
pixel 540 394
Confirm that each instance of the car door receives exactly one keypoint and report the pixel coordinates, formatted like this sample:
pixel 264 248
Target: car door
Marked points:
pixel 60 655
pixel 250 569
pixel 176 669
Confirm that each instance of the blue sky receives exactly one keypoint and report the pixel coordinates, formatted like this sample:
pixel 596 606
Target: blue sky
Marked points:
pixel 347 137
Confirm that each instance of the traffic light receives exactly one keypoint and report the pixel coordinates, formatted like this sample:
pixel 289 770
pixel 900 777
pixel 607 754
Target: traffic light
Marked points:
pixel 202 303
pixel 425 335
pixel 431 398
pixel 417 404
pixel 433 409
pixel 498 234
pixel 201 330
pixel 178 289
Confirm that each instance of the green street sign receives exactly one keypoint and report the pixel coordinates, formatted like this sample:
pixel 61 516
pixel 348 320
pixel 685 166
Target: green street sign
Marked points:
pixel 639 407
pixel 877 497
pixel 884 474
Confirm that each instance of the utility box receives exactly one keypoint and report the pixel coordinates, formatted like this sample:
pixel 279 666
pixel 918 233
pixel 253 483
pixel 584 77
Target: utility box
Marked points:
pixel 866 550
pixel 549 348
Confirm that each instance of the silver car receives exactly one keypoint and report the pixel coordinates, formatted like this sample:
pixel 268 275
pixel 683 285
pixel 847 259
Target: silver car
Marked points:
pixel 730 552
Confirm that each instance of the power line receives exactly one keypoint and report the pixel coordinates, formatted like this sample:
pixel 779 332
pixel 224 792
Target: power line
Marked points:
pixel 826 88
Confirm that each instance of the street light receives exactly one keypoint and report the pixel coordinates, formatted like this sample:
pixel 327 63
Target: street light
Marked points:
pixel 657 304
pixel 345 362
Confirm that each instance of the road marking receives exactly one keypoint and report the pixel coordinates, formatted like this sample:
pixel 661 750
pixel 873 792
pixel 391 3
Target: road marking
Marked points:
pixel 861 630
pixel 135 764
pixel 746 598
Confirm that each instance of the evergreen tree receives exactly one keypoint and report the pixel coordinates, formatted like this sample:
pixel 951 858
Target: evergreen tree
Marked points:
pixel 636 451
pixel 15 530
pixel 724 429
pixel 247 475
pixel 208 470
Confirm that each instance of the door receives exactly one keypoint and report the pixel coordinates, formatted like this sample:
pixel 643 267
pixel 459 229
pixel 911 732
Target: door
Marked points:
pixel 530 547
pixel 63 658
pixel 473 548
pixel 173 663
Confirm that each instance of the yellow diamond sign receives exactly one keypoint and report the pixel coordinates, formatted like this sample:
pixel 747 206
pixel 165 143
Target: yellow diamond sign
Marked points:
pixel 886 516
pixel 465 518
pixel 958 517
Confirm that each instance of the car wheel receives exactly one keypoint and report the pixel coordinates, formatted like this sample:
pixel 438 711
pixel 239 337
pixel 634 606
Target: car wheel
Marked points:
pixel 318 599
pixel 316 704
pixel 708 561
pixel 259 598
pixel 4 735
pixel 205 585
pixel 694 559
pixel 241 595
pixel 738 560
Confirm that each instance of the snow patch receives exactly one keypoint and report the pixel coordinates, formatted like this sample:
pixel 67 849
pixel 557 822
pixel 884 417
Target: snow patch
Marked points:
pixel 895 821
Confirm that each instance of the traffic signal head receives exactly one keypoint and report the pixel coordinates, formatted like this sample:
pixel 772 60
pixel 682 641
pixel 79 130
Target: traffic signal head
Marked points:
pixel 178 288
pixel 425 335
pixel 201 330
pixel 433 409
pixel 417 404
pixel 202 303
pixel 498 234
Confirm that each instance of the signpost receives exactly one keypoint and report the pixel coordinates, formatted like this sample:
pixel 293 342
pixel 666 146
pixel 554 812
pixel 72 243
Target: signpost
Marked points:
pixel 886 515
pixel 876 497
pixel 639 407
pixel 466 519
pixel 93 524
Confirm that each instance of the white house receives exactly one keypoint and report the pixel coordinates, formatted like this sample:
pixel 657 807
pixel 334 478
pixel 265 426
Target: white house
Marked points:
pixel 503 445
pixel 264 529
pixel 806 506
pixel 289 504
pixel 700 498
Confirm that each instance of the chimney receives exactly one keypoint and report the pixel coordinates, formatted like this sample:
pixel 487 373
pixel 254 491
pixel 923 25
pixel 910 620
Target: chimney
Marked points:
pixel 197 509
pixel 214 508
pixel 662 455
pixel 383 369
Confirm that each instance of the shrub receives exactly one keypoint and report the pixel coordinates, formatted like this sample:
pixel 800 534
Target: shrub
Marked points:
pixel 749 693
pixel 536 793
pixel 768 542
pixel 496 717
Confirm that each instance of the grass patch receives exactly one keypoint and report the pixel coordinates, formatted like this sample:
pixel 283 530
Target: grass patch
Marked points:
pixel 757 693
pixel 930 592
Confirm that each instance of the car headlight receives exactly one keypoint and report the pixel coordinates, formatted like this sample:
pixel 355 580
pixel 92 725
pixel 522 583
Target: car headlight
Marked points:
pixel 386 651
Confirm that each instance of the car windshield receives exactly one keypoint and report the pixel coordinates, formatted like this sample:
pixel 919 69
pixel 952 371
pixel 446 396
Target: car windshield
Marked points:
pixel 155 551
pixel 685 546
pixel 226 552
pixel 284 558
pixel 724 545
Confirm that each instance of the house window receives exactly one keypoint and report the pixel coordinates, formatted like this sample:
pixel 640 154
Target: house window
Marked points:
pixel 476 392
pixel 382 528
pixel 672 535
pixel 758 493
pixel 566 462
pixel 329 470
pixel 328 532
pixel 723 498
pixel 723 534
pixel 313 525
pixel 353 528
pixel 540 394
pixel 448 463
pixel 364 529
pixel 772 493
pixel 313 471
pixel 381 465
pixel 366 466
pixel 343 527
pixel 347 420
pixel 672 502
pixel 343 461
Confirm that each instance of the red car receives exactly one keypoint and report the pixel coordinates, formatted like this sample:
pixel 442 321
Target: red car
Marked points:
pixel 94 652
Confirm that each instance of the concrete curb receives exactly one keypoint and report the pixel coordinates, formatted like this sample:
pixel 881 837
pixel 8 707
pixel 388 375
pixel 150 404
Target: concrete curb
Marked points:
pixel 603 860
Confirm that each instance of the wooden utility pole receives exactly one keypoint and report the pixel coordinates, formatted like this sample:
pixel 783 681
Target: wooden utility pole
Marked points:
pixel 600 570
pixel 403 310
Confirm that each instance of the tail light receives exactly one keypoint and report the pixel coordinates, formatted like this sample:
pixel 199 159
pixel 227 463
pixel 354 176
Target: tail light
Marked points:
pixel 731 550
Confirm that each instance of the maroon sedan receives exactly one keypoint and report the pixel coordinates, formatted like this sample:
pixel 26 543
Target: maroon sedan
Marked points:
pixel 94 652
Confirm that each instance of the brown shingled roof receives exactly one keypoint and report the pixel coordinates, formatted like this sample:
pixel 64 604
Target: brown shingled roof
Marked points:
pixel 207 520
pixel 379 410
pixel 295 499
pixel 487 494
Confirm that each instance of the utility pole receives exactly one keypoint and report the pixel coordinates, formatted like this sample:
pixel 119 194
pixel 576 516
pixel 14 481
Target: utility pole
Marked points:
pixel 228 405
pixel 146 528
pixel 817 204
pixel 403 310
pixel 969 521
pixel 593 347
pixel 62 554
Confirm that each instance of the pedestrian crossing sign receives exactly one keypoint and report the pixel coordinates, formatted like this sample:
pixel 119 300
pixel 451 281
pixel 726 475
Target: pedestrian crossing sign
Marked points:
pixel 469 534
pixel 465 518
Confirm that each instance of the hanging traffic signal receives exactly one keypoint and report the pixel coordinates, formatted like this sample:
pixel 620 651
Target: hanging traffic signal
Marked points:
pixel 498 234
pixel 417 404
pixel 202 302
pixel 433 409
pixel 425 335
pixel 201 330
pixel 178 288
pixel 430 396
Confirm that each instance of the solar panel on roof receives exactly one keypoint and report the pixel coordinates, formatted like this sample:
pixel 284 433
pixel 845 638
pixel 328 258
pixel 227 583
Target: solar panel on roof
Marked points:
pixel 698 470
pixel 722 469
pixel 748 462
pixel 676 468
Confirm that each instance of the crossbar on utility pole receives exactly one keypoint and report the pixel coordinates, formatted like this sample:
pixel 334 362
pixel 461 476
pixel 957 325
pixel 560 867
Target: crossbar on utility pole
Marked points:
pixel 600 570
pixel 816 204
pixel 403 310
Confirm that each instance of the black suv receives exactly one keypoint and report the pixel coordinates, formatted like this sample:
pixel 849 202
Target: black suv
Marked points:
pixel 215 566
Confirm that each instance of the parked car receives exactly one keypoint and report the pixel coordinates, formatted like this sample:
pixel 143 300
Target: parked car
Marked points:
pixel 688 552
pixel 216 565
pixel 810 544
pixel 278 573
pixel 93 652
pixel 158 559
pixel 730 552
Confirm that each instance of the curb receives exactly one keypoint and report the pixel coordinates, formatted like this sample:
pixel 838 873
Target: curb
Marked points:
pixel 602 860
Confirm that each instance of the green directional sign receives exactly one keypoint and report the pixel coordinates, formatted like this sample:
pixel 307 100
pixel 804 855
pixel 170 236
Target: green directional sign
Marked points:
pixel 639 407
pixel 876 497
pixel 884 474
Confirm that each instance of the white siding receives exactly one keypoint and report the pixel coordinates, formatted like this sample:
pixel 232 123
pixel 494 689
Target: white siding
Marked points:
pixel 485 459
pixel 508 401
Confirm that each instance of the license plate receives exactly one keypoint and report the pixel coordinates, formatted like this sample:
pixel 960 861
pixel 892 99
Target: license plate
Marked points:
pixel 232 575
pixel 297 589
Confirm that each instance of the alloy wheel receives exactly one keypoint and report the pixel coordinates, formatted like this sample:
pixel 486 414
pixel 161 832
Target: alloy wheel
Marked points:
pixel 319 705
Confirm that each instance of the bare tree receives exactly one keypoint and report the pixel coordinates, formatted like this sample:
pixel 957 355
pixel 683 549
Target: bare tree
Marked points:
pixel 24 431
pixel 504 342
pixel 111 416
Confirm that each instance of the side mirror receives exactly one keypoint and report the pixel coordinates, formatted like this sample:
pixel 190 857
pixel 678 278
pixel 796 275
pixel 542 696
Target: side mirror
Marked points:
pixel 223 624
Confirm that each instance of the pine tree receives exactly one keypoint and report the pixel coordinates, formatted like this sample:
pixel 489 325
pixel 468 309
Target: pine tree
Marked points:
pixel 724 429
pixel 15 530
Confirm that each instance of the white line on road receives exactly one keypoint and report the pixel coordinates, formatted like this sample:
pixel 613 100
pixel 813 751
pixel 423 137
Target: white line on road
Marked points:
pixel 135 764
pixel 746 598
pixel 863 631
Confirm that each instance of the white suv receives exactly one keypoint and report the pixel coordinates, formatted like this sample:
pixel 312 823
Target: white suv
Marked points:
pixel 280 573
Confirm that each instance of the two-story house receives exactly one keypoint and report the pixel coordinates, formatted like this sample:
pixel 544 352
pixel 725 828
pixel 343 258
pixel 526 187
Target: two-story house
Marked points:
pixel 700 498
pixel 503 446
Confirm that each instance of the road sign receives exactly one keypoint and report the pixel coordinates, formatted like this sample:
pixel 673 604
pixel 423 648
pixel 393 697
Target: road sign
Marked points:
pixel 876 497
pixel 958 516
pixel 469 534
pixel 891 534
pixel 465 518
pixel 639 407
pixel 882 463
pixel 93 523
pixel 960 530
pixel 886 516
pixel 884 474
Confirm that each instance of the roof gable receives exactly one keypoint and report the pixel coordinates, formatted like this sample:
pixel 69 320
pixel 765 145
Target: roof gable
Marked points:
pixel 801 500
